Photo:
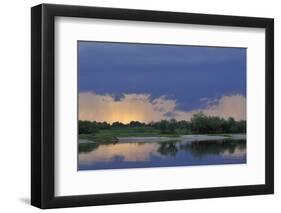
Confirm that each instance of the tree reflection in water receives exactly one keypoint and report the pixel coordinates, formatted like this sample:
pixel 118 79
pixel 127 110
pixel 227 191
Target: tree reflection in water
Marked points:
pixel 199 149
pixel 87 147
pixel 168 148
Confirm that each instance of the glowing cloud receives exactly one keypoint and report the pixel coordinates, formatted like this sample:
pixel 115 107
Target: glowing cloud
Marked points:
pixel 227 106
pixel 140 107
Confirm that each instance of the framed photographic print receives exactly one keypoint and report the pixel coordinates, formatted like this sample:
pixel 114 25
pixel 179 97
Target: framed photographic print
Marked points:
pixel 139 106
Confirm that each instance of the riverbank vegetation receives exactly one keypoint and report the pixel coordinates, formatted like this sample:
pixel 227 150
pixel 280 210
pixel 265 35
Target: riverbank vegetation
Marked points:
pixel 199 124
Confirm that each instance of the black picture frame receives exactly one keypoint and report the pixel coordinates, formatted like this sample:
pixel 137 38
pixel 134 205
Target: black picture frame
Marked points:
pixel 43 114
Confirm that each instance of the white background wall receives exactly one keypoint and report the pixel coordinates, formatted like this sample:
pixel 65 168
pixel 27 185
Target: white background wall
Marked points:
pixel 15 105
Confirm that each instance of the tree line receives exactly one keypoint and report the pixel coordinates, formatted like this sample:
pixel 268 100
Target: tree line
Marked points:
pixel 199 124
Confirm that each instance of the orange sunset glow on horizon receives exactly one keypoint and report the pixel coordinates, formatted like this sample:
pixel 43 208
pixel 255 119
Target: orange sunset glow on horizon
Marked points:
pixel 139 107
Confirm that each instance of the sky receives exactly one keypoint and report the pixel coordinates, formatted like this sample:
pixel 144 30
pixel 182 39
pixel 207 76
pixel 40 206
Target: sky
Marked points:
pixel 151 82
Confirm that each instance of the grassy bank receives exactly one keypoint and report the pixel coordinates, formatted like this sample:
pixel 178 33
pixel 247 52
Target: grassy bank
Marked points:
pixel 110 135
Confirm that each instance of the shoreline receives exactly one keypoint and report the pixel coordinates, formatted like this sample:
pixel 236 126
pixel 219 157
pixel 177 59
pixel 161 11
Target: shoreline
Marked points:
pixel 185 138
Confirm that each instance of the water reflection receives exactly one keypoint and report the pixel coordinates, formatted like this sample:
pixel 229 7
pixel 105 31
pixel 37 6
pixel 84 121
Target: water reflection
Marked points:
pixel 172 153
pixel 223 147
pixel 168 148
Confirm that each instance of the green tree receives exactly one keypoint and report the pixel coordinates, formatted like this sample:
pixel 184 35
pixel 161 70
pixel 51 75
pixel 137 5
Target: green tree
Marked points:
pixel 117 124
pixel 103 125
pixel 136 124
pixel 87 127
pixel 163 126
pixel 241 126
pixel 199 123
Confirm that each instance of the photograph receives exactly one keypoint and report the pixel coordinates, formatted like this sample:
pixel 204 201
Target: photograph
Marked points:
pixel 144 105
pixel 137 105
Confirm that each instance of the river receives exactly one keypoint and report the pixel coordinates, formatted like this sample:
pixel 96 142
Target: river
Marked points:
pixel 138 153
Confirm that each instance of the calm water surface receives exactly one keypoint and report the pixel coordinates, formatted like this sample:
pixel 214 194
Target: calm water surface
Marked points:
pixel 152 154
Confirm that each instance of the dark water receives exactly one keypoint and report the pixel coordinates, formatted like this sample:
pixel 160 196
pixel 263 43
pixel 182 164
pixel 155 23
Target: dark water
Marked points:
pixel 162 154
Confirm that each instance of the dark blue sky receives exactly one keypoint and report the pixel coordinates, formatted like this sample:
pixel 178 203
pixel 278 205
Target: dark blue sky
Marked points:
pixel 183 73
